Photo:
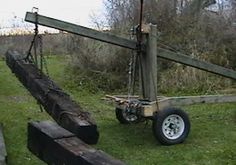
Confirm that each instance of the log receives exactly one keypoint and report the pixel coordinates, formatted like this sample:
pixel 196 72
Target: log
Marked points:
pixel 57 103
pixel 55 145
pixel 3 152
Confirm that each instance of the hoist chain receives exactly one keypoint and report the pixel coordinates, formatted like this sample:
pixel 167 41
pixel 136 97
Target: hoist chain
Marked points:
pixel 29 57
pixel 132 74
pixel 41 52
pixel 139 35
pixel 38 59
pixel 136 58
pixel 43 62
pixel 130 92
pixel 38 41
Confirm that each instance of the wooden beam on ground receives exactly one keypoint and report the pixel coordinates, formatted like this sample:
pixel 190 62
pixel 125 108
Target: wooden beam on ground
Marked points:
pixel 196 63
pixel 191 100
pixel 55 145
pixel 3 152
pixel 80 30
pixel 58 104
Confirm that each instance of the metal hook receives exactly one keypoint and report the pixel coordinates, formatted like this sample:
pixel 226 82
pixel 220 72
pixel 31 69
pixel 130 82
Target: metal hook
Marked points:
pixel 35 10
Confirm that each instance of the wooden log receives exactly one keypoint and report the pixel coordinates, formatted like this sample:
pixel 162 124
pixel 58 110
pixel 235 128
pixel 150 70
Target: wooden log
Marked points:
pixel 3 152
pixel 55 145
pixel 58 104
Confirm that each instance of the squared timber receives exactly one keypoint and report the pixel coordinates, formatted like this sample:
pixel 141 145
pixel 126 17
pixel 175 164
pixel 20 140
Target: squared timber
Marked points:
pixel 58 104
pixel 55 145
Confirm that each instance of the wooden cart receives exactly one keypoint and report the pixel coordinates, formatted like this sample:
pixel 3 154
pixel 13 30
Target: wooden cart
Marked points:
pixel 170 125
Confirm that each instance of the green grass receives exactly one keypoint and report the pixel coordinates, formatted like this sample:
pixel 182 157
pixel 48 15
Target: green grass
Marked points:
pixel 212 139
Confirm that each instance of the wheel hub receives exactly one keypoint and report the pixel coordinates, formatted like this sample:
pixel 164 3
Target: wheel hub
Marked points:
pixel 173 126
pixel 129 115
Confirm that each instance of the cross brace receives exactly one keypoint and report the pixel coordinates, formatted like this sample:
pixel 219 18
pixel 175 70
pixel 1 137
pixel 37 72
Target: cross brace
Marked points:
pixel 126 43
pixel 196 63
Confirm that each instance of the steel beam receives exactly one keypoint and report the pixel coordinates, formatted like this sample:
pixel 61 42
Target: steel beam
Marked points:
pixel 196 63
pixel 80 30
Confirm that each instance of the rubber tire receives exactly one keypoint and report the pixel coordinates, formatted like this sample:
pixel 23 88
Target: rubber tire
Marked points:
pixel 121 119
pixel 159 119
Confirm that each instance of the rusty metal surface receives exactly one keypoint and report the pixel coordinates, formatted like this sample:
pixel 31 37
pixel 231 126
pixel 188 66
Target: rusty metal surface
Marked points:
pixel 58 104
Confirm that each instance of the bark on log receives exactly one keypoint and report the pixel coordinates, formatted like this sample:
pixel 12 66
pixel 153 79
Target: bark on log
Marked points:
pixel 58 104
pixel 55 145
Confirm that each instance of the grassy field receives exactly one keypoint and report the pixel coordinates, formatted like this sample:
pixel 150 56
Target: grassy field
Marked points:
pixel 212 139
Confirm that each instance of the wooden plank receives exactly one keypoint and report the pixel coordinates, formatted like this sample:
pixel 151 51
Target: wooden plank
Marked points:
pixel 3 152
pixel 149 66
pixel 55 145
pixel 196 63
pixel 190 100
pixel 164 102
pixel 80 30
pixel 58 104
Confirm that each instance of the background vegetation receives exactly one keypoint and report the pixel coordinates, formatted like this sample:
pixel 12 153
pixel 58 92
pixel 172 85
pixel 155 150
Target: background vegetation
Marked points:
pixel 88 70
pixel 212 139
pixel 204 29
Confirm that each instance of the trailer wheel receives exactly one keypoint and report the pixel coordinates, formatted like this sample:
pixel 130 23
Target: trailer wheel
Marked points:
pixel 125 117
pixel 171 126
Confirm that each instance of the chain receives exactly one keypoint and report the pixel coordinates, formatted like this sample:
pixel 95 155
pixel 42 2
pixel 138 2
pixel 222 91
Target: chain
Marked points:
pixel 41 53
pixel 130 77
pixel 43 62
pixel 29 57
pixel 136 57
pixel 35 43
